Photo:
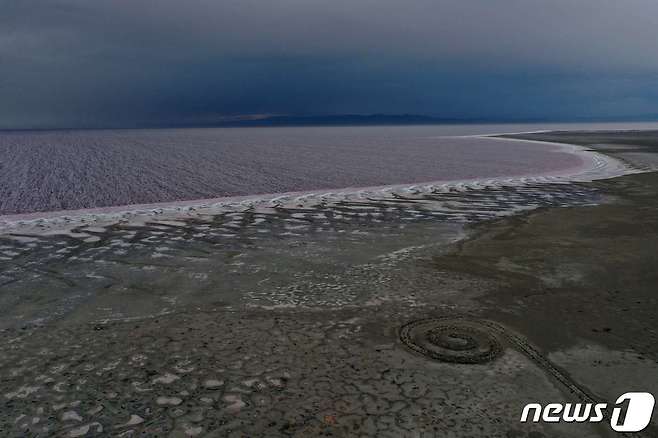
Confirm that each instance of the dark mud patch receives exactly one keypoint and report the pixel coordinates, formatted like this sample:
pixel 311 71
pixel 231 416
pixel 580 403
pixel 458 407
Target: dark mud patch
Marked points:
pixel 583 272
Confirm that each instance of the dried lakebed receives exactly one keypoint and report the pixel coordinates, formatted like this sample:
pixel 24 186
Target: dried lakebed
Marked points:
pixel 295 331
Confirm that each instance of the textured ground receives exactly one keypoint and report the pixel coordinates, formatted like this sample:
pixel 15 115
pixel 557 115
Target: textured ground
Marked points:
pixel 319 255
pixel 58 170
pixel 262 374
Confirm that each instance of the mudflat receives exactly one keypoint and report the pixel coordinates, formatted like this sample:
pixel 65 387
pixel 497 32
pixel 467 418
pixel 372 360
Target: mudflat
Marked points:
pixel 452 339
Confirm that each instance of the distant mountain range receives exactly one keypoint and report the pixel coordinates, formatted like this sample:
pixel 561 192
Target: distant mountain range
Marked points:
pixel 395 119
pixel 264 120
pixel 343 119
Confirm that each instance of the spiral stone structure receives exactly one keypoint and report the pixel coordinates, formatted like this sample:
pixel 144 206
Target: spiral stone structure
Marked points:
pixel 466 340
pixel 453 340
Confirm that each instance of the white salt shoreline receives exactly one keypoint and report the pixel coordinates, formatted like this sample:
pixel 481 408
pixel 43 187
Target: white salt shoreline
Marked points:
pixel 592 166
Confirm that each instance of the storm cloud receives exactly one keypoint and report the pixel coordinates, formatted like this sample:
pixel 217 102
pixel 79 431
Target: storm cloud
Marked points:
pixel 116 62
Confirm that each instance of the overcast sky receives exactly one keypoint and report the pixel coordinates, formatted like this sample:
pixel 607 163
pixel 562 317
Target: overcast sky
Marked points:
pixel 133 62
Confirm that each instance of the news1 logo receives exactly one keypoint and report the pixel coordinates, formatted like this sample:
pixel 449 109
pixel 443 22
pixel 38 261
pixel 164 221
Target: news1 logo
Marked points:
pixel 631 413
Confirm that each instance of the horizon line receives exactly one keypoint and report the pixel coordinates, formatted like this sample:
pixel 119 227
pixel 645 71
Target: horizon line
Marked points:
pixel 347 119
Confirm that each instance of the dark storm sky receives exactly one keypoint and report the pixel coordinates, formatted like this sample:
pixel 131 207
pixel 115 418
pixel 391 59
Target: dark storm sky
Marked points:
pixel 132 62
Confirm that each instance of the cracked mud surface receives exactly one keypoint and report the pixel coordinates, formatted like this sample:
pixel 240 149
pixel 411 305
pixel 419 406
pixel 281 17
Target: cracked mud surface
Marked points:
pixel 227 374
